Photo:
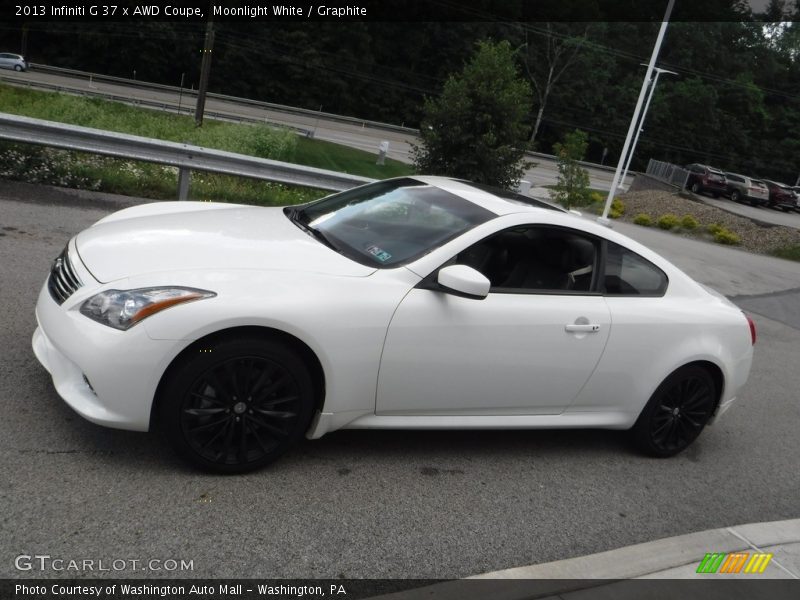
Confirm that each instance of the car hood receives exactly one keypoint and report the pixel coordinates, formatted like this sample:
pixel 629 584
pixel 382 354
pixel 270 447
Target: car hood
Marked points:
pixel 184 236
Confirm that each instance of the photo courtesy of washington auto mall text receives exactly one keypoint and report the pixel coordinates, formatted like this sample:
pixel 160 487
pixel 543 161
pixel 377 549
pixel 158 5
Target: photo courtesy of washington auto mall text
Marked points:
pixel 197 590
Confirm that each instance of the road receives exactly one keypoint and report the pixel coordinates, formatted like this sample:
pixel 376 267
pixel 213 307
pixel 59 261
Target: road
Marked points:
pixel 358 135
pixel 373 504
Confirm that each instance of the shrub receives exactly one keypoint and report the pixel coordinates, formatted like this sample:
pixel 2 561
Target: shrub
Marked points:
pixel 668 221
pixel 714 228
pixel 597 197
pixel 617 208
pixel 689 222
pixel 726 236
pixel 643 220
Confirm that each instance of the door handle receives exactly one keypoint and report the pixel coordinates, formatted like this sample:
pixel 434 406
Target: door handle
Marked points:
pixel 588 327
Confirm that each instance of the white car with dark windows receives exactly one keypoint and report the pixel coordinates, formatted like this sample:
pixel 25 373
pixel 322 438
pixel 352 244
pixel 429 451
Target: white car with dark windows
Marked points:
pixel 411 303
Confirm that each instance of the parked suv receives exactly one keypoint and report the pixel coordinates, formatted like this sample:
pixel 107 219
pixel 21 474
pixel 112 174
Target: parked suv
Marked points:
pixel 705 179
pixel 12 61
pixel 780 196
pixel 741 188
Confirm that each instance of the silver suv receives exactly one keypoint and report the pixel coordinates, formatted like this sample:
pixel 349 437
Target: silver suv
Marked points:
pixel 741 188
pixel 12 61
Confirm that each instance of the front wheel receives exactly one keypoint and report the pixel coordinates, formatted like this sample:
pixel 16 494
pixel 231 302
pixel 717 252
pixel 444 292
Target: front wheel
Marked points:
pixel 17 68
pixel 735 196
pixel 696 188
pixel 676 413
pixel 237 404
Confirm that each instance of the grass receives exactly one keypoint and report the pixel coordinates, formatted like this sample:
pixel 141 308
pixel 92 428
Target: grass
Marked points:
pixel 327 155
pixel 792 252
pixel 74 169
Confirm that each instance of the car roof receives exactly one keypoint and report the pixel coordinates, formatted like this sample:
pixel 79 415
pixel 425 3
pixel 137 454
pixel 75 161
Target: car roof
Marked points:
pixel 500 202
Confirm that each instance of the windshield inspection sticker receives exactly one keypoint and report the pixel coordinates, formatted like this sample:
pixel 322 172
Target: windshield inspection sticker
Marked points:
pixel 378 253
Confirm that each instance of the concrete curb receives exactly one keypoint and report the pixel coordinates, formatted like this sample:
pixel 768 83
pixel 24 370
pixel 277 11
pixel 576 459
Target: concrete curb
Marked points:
pixel 648 560
pixel 659 555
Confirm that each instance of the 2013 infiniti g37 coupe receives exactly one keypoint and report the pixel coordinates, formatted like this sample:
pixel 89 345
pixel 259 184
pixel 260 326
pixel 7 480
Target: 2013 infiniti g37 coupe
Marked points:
pixel 411 303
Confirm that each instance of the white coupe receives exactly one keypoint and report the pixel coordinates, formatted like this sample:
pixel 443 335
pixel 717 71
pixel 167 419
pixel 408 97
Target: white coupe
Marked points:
pixel 411 303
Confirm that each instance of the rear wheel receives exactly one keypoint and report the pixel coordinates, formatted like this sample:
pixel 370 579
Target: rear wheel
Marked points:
pixel 735 196
pixel 676 413
pixel 237 405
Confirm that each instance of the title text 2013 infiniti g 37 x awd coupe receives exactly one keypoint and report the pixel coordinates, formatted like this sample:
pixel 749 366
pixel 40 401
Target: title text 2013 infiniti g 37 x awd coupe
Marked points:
pixel 411 303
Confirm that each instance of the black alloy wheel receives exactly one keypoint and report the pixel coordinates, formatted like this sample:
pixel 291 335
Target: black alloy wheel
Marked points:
pixel 237 405
pixel 676 413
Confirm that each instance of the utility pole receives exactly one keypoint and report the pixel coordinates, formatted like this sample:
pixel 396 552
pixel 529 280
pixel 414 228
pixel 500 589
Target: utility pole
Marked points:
pixel 205 70
pixel 24 46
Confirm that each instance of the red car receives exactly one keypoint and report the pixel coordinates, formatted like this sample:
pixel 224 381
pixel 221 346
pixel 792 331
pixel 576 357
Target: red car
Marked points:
pixel 780 196
pixel 706 179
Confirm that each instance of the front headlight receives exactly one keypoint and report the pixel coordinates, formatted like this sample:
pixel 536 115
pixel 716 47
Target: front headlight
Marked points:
pixel 122 309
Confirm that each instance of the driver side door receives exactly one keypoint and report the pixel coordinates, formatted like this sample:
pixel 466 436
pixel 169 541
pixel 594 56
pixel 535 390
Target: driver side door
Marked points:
pixel 528 348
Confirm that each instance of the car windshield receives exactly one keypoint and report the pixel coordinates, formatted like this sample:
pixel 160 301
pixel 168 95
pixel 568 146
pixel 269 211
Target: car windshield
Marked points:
pixel 389 223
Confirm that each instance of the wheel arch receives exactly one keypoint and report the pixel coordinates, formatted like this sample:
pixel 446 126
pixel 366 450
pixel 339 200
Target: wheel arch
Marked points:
pixel 713 369
pixel 306 353
pixel 716 375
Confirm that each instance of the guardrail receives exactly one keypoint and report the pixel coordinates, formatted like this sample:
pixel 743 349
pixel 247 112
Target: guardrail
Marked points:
pixel 668 173
pixel 185 157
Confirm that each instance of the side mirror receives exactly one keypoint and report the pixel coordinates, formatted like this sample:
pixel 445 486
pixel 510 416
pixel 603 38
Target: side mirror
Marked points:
pixel 465 281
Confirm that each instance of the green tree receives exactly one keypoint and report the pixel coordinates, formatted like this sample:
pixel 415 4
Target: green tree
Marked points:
pixel 476 129
pixel 573 180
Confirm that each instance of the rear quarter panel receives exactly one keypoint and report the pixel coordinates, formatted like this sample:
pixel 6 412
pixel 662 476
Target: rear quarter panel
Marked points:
pixel 652 337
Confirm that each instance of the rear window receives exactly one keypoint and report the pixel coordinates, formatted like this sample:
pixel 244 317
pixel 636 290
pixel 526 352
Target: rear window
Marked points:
pixel 628 274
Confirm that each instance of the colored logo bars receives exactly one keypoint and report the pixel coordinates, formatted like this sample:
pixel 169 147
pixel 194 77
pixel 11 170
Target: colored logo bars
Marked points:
pixel 735 562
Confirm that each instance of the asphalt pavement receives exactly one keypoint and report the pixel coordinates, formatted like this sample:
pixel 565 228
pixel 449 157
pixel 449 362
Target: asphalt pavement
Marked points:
pixel 373 503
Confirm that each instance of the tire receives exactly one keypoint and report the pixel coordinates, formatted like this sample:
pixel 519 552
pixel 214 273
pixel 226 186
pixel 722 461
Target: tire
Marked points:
pixel 735 196
pixel 714 195
pixel 676 413
pixel 696 188
pixel 17 68
pixel 236 405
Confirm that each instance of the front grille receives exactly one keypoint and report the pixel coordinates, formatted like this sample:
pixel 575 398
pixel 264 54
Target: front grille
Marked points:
pixel 63 281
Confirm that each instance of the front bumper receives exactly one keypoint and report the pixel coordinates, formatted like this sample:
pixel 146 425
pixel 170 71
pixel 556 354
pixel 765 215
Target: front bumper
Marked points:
pixel 107 376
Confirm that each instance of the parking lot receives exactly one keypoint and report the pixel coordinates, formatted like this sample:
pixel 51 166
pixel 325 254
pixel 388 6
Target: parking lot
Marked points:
pixel 370 503
pixel 758 213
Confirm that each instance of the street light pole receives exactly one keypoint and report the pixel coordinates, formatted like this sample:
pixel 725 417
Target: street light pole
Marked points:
pixel 635 120
pixel 644 116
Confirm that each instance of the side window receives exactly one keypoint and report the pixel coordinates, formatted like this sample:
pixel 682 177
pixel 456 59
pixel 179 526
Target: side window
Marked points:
pixel 628 274
pixel 533 259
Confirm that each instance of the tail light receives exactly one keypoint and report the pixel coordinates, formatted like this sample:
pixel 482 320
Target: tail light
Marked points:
pixel 752 325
